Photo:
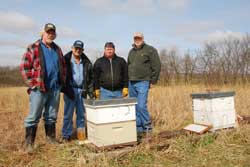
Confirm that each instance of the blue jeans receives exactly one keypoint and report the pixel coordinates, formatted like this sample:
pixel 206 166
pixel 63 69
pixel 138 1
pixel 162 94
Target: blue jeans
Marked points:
pixel 43 102
pixel 108 94
pixel 139 90
pixel 69 106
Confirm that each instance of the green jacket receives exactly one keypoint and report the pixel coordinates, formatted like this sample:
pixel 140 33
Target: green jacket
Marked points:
pixel 144 64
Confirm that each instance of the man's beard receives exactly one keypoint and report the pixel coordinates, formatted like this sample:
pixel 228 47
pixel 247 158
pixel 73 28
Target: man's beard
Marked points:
pixel 49 41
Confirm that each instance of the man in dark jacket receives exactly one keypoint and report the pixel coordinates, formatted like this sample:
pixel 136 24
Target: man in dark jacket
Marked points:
pixel 79 84
pixel 110 75
pixel 143 69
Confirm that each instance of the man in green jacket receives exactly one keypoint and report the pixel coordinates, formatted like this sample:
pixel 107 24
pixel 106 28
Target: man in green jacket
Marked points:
pixel 144 67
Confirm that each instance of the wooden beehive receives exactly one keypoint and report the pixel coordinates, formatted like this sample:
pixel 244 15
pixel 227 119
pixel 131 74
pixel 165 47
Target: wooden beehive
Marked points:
pixel 111 122
pixel 214 108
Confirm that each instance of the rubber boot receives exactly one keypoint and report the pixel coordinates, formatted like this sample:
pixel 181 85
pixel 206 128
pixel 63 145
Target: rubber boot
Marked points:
pixel 50 130
pixel 30 138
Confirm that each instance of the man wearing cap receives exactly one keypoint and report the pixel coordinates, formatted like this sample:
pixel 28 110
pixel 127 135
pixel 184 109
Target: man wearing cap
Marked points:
pixel 144 67
pixel 110 75
pixel 79 84
pixel 43 70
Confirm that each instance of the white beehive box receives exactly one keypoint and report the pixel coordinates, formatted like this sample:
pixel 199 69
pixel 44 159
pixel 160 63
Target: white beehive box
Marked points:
pixel 111 122
pixel 216 109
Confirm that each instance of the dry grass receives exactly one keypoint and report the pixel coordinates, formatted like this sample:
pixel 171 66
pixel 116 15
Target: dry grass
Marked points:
pixel 170 108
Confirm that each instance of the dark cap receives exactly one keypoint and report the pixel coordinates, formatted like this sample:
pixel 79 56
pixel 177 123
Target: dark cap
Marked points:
pixel 49 26
pixel 78 44
pixel 109 45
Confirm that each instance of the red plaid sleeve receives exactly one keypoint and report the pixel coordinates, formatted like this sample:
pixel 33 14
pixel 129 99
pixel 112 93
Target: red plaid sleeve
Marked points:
pixel 26 66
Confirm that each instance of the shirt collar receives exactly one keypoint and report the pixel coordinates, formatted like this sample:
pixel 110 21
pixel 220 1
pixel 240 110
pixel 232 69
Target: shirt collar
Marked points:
pixel 73 59
pixel 133 45
pixel 43 44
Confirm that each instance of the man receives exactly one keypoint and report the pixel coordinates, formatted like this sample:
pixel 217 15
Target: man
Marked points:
pixel 43 70
pixel 110 75
pixel 79 83
pixel 143 69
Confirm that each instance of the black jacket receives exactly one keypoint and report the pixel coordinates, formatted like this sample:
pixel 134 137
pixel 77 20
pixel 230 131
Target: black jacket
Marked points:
pixel 88 77
pixel 111 74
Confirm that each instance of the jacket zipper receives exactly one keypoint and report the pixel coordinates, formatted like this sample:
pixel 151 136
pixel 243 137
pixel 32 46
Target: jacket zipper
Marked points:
pixel 112 75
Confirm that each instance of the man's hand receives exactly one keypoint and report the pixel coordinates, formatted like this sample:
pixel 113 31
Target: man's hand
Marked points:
pixel 125 92
pixel 97 93
pixel 151 86
pixel 30 89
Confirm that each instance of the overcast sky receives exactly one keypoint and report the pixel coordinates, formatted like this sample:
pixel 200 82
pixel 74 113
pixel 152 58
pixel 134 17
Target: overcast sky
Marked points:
pixel 184 24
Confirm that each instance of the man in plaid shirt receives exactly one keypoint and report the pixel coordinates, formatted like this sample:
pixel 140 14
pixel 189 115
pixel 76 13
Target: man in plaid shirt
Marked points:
pixel 43 70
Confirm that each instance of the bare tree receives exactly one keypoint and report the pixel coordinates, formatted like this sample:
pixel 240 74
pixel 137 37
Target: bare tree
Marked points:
pixel 217 62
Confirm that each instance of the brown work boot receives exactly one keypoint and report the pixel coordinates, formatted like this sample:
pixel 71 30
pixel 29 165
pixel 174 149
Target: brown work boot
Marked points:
pixel 81 135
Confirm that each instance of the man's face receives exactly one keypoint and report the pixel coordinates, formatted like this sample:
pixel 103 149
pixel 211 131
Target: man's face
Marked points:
pixel 138 41
pixel 77 51
pixel 109 52
pixel 49 36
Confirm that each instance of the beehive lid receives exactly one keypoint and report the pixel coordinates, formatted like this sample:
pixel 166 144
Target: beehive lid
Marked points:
pixel 211 95
pixel 118 101
pixel 198 128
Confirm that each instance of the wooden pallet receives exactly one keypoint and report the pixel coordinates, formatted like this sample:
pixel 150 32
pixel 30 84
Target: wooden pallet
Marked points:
pixel 95 148
pixel 118 153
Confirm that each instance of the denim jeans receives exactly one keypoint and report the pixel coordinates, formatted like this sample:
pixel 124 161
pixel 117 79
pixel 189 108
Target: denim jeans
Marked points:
pixel 69 106
pixel 139 90
pixel 108 94
pixel 46 103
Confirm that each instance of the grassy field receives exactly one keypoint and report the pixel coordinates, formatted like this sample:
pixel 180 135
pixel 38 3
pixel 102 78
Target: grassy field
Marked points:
pixel 170 108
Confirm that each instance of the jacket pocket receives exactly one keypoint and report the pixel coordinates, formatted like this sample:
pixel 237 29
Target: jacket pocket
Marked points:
pixel 142 58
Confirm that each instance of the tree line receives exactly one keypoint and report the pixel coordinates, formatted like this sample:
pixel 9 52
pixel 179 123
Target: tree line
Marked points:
pixel 225 61
pixel 10 76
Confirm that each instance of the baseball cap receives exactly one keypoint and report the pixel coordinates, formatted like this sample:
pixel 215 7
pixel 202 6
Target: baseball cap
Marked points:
pixel 109 45
pixel 78 44
pixel 138 34
pixel 49 26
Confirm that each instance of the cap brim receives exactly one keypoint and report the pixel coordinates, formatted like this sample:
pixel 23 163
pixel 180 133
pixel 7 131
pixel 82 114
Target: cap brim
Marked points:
pixel 77 46
pixel 50 29
pixel 137 36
